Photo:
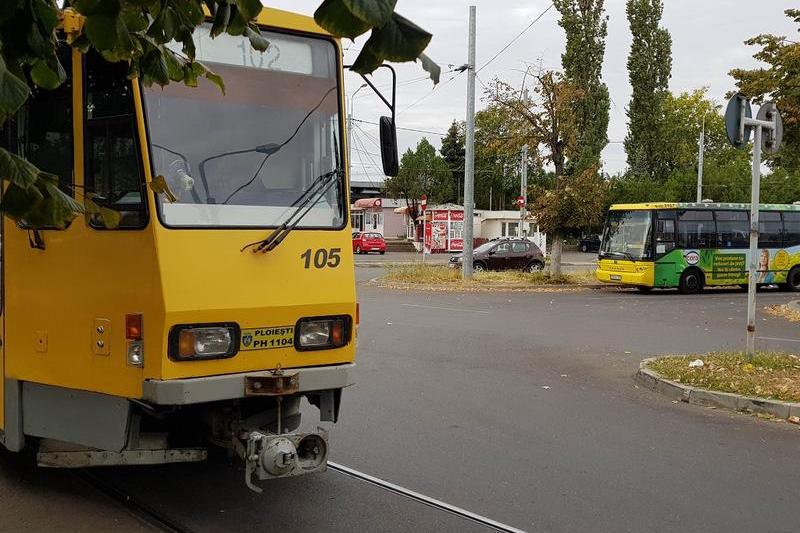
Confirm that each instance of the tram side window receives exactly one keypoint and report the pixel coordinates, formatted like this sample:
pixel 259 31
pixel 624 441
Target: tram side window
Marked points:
pixel 733 229
pixel 770 230
pixel 791 228
pixel 113 166
pixel 696 229
pixel 41 131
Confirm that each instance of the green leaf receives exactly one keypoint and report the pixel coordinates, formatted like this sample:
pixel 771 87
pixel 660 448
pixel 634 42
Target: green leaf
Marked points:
pixel 154 68
pixel 18 201
pixel 256 39
pixel 174 64
pixel 216 79
pixel 399 40
pixel 249 9
pixel 221 19
pixel 102 31
pixel 16 170
pixel 375 12
pixel 429 66
pixel 110 218
pixel 47 78
pixel 335 17
pixel 237 24
pixel 46 13
pixel 13 91
pixel 134 18
pixel 87 7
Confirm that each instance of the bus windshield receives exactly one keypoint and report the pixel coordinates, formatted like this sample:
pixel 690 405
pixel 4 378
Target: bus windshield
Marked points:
pixel 243 158
pixel 627 235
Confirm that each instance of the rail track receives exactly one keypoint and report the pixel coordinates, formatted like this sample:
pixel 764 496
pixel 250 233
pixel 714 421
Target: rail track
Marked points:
pixel 162 522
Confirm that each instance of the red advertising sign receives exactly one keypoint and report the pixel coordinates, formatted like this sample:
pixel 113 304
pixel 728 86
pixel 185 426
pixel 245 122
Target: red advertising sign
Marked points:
pixel 427 241
pixel 456 245
pixel 440 215
pixel 438 236
pixel 456 215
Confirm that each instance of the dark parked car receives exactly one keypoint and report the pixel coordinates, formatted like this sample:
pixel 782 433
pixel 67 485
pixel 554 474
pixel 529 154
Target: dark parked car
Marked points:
pixel 504 254
pixel 590 243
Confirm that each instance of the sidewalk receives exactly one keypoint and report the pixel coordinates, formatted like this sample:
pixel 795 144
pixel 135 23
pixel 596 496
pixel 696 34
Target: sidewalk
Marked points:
pixel 575 260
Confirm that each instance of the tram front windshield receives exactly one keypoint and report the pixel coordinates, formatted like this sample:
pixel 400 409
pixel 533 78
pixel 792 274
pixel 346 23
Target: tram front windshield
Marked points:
pixel 245 157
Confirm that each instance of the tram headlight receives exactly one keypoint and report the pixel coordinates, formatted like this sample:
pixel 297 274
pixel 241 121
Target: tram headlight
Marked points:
pixel 206 341
pixel 323 332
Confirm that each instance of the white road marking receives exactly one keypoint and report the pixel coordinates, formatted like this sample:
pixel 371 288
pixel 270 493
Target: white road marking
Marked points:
pixel 779 339
pixel 446 308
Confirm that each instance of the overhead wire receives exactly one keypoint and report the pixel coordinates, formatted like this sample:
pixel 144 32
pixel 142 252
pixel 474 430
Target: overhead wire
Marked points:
pixel 516 38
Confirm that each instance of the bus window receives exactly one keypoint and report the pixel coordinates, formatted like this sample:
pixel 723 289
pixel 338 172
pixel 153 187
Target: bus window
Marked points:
pixel 770 229
pixel 791 228
pixel 733 229
pixel 113 167
pixel 696 229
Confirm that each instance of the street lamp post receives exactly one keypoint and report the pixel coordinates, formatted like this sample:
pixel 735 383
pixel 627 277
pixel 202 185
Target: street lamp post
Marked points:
pixel 350 130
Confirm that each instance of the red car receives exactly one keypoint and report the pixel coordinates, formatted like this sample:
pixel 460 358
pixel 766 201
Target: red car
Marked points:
pixel 364 243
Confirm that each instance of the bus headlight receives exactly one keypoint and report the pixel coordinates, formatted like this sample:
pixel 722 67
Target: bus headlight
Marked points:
pixel 206 341
pixel 323 332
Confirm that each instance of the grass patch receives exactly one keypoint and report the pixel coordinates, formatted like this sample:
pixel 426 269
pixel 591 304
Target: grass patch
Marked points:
pixel 770 375
pixel 441 275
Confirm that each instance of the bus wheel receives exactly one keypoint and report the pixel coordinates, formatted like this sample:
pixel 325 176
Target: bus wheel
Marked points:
pixel 793 279
pixel 691 281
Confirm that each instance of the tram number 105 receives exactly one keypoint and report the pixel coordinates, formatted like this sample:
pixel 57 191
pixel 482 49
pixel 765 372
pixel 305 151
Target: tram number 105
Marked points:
pixel 322 258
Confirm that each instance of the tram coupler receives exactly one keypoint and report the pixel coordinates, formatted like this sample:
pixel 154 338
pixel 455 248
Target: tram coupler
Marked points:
pixel 271 456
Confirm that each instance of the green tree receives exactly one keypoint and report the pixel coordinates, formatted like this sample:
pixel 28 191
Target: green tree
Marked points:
pixel 586 26
pixel 548 124
pixel 422 171
pixel 453 152
pixel 137 31
pixel 649 70
pixel 779 81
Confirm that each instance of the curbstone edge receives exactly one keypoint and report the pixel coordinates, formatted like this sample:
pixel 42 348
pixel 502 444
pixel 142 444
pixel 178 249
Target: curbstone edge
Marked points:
pixel 709 398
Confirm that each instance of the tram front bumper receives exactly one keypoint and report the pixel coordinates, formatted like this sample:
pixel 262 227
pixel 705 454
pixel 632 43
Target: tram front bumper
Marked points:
pixel 188 391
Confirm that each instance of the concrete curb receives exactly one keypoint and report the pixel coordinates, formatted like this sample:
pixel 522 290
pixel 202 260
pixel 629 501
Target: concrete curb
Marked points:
pixel 487 287
pixel 708 398
pixel 794 306
pixel 383 264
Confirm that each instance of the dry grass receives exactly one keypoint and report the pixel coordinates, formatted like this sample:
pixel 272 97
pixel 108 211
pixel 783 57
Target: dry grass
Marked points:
pixel 435 275
pixel 770 375
pixel 783 311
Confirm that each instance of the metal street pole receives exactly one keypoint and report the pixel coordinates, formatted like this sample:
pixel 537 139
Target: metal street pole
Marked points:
pixel 700 157
pixel 469 162
pixel 755 198
pixel 523 193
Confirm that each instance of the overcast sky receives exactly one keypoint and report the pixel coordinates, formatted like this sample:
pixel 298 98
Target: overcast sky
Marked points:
pixel 708 40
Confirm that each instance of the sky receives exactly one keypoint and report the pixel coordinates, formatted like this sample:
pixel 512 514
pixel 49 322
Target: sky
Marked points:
pixel 707 42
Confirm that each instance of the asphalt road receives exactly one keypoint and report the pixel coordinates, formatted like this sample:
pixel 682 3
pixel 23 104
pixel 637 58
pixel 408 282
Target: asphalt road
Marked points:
pixel 522 407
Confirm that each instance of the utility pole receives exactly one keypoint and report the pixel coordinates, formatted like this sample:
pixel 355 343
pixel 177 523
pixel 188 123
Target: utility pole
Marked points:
pixel 523 193
pixel 700 157
pixel 469 161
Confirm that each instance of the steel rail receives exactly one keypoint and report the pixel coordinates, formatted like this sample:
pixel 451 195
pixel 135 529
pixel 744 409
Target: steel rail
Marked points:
pixel 425 500
pixel 134 506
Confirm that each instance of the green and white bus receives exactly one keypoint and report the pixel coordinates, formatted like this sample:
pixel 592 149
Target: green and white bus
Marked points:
pixel 694 245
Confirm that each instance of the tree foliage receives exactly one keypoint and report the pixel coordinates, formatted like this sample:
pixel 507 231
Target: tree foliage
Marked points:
pixel 780 82
pixel 586 26
pixel 137 32
pixel 649 70
pixel 453 152
pixel 422 171
pixel 547 122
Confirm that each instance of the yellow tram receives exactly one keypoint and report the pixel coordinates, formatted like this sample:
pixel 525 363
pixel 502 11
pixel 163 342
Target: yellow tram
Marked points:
pixel 212 289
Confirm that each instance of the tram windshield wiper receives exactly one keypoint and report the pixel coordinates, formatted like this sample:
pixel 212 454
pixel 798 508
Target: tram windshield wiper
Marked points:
pixel 302 206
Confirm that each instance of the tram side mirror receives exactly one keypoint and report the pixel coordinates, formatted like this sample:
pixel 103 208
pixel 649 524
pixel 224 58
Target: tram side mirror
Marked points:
pixel 391 165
